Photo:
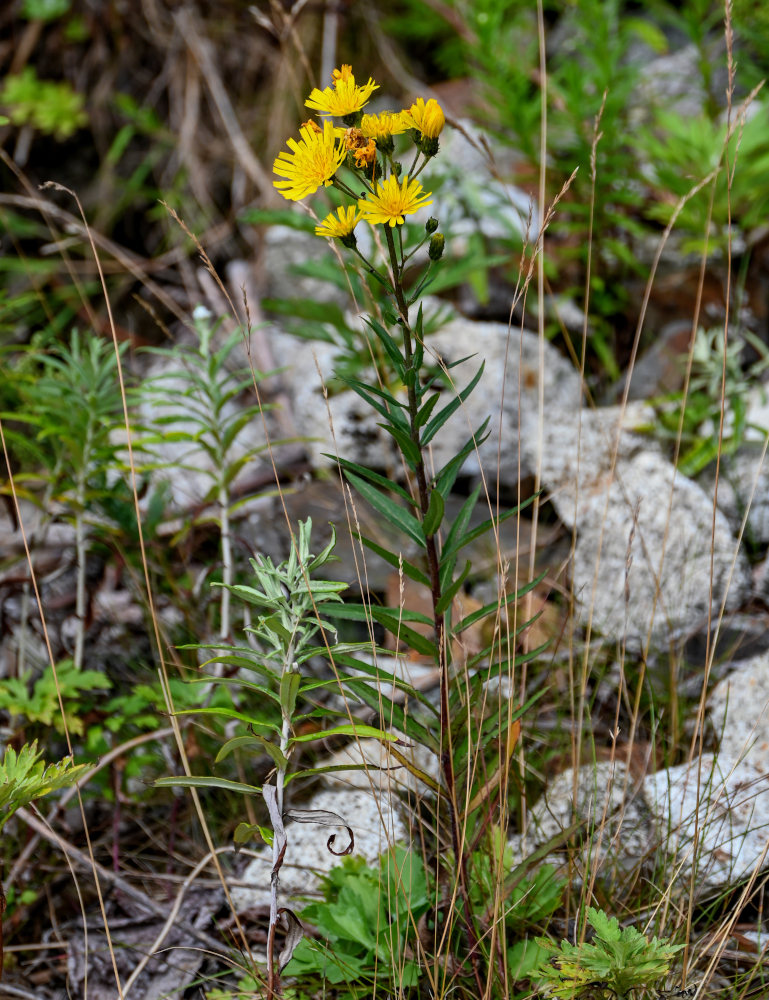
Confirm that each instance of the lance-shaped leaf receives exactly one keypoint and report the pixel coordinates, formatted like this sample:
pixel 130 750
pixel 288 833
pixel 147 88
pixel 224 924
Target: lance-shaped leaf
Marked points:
pixel 446 478
pixel 393 351
pixel 358 729
pixel 395 560
pixel 443 415
pixel 434 514
pixel 323 817
pixel 201 781
pixel 289 688
pixel 374 477
pixel 386 506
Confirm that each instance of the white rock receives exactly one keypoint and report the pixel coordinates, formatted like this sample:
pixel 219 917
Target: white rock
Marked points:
pixel 646 563
pixel 508 387
pixel 605 797
pixel 578 449
pixel 713 814
pixel 739 711
pixel 374 819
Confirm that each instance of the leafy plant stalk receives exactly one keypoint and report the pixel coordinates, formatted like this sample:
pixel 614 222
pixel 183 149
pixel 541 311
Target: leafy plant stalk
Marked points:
pixel 436 593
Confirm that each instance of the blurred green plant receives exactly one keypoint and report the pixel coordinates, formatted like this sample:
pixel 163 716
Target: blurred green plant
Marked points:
pixel 692 422
pixel 45 10
pixel 38 704
pixel 74 407
pixel 50 108
pixel 196 402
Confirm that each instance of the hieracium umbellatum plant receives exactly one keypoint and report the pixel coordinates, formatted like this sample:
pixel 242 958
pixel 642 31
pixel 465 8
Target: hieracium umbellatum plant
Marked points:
pixel 374 162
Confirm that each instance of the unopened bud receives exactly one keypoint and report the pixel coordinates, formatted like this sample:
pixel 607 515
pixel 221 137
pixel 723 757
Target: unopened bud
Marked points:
pixel 431 225
pixel 437 243
pixel 429 145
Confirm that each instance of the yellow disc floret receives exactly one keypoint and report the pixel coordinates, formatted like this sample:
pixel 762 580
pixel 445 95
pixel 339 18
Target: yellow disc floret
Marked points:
pixel 312 162
pixel 391 200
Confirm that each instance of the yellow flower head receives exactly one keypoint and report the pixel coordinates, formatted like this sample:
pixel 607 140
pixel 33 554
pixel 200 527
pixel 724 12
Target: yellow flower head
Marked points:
pixel 339 224
pixel 392 200
pixel 382 125
pixel 344 98
pixel 312 162
pixel 428 118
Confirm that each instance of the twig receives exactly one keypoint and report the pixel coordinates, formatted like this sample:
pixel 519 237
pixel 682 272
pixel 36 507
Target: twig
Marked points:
pixel 201 50
pixel 81 858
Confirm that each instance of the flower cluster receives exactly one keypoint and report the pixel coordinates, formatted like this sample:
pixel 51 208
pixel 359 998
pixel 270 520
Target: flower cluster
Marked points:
pixel 363 143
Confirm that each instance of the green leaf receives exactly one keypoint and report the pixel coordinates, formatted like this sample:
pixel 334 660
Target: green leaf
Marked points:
pixel 358 730
pixel 495 606
pixel 446 478
pixel 250 741
pixel 245 832
pixel 455 535
pixel 449 594
pixel 434 514
pixel 394 623
pixel 289 688
pixel 440 419
pixel 402 438
pixel 390 346
pixel 395 560
pixel 208 782
pixel 390 711
pixel 395 514
pixel 373 477
pixel 423 414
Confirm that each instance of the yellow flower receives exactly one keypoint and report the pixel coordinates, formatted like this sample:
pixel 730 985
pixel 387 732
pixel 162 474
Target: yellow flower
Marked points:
pixel 392 200
pixel 428 118
pixel 344 98
pixel 312 162
pixel 381 125
pixel 340 224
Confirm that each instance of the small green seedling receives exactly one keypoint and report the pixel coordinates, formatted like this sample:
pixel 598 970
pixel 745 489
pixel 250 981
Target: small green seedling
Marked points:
pixel 616 964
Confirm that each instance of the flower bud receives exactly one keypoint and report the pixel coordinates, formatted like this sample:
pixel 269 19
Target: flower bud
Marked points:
pixel 431 225
pixel 437 243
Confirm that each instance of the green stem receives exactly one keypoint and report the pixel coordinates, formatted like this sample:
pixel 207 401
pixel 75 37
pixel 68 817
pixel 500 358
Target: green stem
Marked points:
pixel 433 564
pixel 226 544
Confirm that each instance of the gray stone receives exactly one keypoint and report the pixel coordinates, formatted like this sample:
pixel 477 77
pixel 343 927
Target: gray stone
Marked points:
pixel 739 712
pixel 508 387
pixel 578 449
pixel 650 561
pixel 712 814
pixel 507 392
pixel 617 828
